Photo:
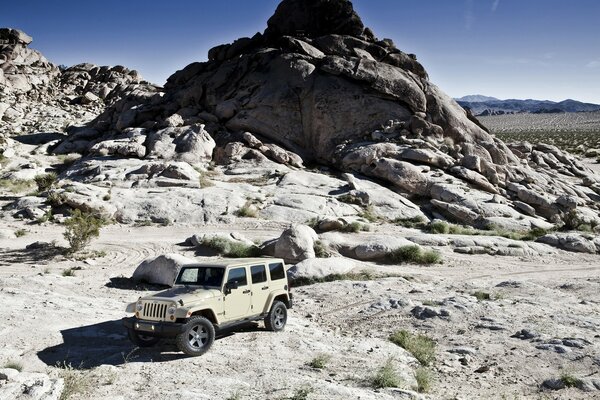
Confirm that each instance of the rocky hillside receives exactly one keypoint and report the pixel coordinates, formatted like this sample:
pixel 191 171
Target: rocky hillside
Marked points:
pixel 318 88
pixel 482 106
pixel 315 118
pixel 36 96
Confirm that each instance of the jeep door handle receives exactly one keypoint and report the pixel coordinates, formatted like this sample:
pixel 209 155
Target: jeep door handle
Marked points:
pixel 246 291
pixel 265 288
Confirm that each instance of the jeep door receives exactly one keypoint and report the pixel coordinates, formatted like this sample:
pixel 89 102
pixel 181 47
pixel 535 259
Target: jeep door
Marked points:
pixel 260 288
pixel 237 302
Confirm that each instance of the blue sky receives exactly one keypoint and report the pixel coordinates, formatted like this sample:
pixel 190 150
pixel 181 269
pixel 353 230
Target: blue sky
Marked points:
pixel 543 49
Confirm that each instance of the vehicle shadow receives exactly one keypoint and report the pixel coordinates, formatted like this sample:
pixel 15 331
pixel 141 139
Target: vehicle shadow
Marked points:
pixel 90 346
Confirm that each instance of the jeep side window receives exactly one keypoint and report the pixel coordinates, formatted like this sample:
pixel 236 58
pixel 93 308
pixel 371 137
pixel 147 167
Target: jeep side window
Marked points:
pixel 259 274
pixel 239 275
pixel 276 271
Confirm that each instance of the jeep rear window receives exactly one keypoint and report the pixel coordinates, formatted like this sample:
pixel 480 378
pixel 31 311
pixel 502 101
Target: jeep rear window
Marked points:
pixel 202 276
pixel 239 275
pixel 259 274
pixel 276 271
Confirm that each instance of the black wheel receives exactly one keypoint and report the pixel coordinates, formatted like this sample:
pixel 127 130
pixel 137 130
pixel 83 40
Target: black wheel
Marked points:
pixel 277 317
pixel 141 340
pixel 197 337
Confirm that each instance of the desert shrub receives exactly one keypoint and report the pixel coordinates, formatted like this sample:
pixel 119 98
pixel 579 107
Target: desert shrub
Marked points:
pixel 414 222
pixel 301 394
pixel 16 185
pixel 351 276
pixel 571 220
pixel 231 248
pixel 386 376
pixel 45 181
pixel 481 296
pixel 68 272
pixel 424 380
pixel 350 199
pixel 570 380
pixel 355 227
pixel 81 228
pixel 313 223
pixel 21 232
pixel 75 382
pixel 14 365
pixel 369 214
pixel 413 254
pixel 439 227
pixel 321 250
pixel 204 181
pixel 420 346
pixel 248 211
pixel 320 361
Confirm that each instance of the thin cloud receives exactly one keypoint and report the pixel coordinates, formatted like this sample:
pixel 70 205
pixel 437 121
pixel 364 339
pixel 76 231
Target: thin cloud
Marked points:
pixel 593 64
pixel 495 5
pixel 469 14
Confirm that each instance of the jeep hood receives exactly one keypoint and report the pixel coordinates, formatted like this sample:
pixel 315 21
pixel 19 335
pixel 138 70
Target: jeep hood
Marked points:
pixel 187 294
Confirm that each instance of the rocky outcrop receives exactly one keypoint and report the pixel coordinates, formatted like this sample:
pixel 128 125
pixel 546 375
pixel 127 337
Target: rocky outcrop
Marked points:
pixel 161 270
pixel 317 86
pixel 38 96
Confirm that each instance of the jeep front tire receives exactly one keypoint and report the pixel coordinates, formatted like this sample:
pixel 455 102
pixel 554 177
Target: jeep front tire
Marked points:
pixel 141 340
pixel 277 317
pixel 197 336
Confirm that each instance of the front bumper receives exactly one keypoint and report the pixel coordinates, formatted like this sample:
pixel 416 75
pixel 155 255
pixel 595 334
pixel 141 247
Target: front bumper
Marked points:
pixel 152 328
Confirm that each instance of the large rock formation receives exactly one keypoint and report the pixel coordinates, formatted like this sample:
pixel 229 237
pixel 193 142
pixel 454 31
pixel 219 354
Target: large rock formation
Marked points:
pixel 319 87
pixel 38 96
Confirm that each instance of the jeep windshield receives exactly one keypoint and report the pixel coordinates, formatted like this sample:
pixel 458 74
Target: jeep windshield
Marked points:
pixel 201 276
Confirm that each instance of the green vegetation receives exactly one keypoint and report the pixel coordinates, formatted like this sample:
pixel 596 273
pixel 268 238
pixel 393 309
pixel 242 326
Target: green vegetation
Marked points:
pixel 321 250
pixel 481 296
pixel 415 222
pixel 14 365
pixel 414 255
pixel 369 214
pixel 320 361
pixel 81 228
pixel 301 394
pixel 444 228
pixel 45 181
pixel 420 346
pixel 204 181
pixel 68 272
pixel 21 232
pixel 386 376
pixel 358 276
pixel 16 185
pixel 350 199
pixel 231 248
pixel 424 380
pixel 248 211
pixel 355 227
pixel 570 380
pixel 76 382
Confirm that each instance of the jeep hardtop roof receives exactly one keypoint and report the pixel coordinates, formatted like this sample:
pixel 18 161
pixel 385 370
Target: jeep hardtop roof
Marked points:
pixel 234 262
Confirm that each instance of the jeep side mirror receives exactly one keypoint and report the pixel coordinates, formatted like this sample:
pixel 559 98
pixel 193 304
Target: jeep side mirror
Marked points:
pixel 229 286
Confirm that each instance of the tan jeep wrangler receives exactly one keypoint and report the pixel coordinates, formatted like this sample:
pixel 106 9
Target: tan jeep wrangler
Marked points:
pixel 210 297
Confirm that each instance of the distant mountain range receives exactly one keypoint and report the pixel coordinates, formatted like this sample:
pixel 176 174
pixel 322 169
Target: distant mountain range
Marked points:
pixel 485 105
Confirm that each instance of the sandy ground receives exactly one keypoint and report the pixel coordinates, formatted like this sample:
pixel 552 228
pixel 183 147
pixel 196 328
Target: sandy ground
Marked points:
pixel 50 319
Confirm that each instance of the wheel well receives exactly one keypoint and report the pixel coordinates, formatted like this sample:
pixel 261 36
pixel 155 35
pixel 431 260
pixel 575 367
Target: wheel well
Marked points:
pixel 208 314
pixel 283 298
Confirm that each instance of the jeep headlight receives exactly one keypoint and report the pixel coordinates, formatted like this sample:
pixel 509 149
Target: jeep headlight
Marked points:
pixel 139 306
pixel 171 310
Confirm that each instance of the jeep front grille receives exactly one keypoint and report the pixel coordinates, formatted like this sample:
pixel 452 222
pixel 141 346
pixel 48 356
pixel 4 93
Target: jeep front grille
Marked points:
pixel 155 311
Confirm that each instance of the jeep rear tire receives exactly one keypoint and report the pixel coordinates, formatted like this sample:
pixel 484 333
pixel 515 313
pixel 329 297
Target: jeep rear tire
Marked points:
pixel 197 336
pixel 141 340
pixel 277 317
